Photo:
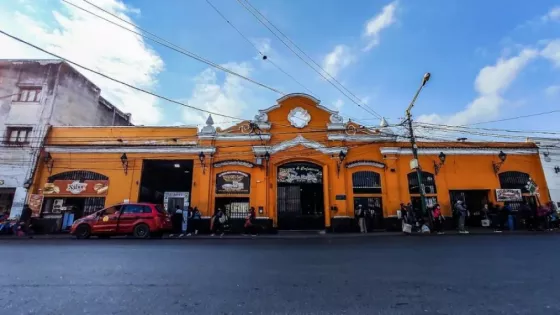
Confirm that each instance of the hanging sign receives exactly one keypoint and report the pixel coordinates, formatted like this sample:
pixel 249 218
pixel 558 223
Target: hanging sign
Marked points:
pixel 77 187
pixel 300 174
pixel 233 182
pixel 508 195
pixel 35 202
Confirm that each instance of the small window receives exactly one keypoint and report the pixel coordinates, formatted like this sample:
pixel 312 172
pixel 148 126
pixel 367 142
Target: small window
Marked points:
pixel 29 95
pixel 160 209
pixel 133 209
pixel 112 210
pixel 18 135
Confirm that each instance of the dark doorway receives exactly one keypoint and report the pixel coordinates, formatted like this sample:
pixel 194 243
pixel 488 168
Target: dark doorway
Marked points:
pixel 474 201
pixel 235 208
pixel 374 211
pixel 300 197
pixel 160 176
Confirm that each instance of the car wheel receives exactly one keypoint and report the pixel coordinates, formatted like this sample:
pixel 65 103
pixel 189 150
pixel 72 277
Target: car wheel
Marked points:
pixel 141 231
pixel 83 231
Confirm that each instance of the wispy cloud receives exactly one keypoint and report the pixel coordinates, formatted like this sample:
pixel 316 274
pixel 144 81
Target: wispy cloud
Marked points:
pixel 553 90
pixel 552 52
pixel 378 23
pixel 552 15
pixel 339 58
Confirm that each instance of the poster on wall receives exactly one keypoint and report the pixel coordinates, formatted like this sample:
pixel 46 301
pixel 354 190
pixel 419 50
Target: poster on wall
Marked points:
pixel 35 203
pixel 300 174
pixel 76 187
pixel 233 182
pixel 508 195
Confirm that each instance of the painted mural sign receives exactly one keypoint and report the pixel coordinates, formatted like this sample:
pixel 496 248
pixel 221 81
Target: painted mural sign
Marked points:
pixel 76 187
pixel 35 203
pixel 305 174
pixel 508 195
pixel 233 182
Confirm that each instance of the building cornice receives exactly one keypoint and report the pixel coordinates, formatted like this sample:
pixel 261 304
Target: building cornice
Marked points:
pixel 365 163
pixel 235 137
pixel 129 149
pixel 233 162
pixel 299 140
pixel 359 138
pixel 459 151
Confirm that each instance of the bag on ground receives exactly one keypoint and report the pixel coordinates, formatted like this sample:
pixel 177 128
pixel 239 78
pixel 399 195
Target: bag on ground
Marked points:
pixel 407 228
pixel 485 222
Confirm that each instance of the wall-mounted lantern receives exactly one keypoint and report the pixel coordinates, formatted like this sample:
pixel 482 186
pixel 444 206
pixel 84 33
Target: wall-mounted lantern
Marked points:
pixel 201 158
pixel 49 162
pixel 502 156
pixel 27 183
pixel 437 166
pixel 557 169
pixel 341 157
pixel 124 162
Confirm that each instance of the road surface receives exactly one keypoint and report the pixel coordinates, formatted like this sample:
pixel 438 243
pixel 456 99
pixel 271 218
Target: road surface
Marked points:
pixel 496 274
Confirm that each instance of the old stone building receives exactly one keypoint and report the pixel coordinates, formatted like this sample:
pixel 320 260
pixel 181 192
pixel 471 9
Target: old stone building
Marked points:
pixel 34 95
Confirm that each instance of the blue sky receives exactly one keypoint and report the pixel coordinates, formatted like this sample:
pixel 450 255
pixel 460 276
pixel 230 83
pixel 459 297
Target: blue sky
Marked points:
pixel 489 59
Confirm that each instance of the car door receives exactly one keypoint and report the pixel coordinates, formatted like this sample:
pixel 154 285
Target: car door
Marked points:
pixel 131 215
pixel 107 220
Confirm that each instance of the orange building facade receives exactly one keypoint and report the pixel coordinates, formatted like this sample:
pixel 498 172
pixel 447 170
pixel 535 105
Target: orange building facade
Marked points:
pixel 299 164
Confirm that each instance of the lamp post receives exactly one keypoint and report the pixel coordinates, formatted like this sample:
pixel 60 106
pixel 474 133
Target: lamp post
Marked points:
pixel 201 158
pixel 416 164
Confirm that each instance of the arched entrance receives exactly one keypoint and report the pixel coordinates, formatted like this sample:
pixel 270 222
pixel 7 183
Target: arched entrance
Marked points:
pixel 300 203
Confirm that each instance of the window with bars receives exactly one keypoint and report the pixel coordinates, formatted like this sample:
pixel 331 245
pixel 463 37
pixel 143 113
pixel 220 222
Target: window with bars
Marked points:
pixel 366 182
pixel 18 135
pixel 428 180
pixel 514 180
pixel 77 175
pixel 28 95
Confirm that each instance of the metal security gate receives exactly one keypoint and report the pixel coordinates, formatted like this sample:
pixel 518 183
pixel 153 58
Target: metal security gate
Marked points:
pixel 300 204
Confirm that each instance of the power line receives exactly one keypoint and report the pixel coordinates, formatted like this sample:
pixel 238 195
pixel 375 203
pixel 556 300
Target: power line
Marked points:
pixel 116 80
pixel 513 118
pixel 262 17
pixel 168 44
pixel 263 56
pixel 492 129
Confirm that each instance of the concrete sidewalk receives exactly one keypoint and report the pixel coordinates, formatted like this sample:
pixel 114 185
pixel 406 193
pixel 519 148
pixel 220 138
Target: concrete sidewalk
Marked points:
pixel 306 235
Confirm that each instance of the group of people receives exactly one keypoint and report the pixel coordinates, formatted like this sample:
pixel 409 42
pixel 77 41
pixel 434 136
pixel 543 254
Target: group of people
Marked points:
pixel 20 226
pixel 185 222
pixel 367 218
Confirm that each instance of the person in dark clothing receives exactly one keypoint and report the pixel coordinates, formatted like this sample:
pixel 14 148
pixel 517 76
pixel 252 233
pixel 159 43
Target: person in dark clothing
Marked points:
pixel 195 220
pixel 528 215
pixel 438 219
pixel 25 219
pixel 249 226
pixel 217 222
pixel 177 220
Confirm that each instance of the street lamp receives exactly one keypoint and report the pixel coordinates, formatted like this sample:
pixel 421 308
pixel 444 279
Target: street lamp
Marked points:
pixel 124 162
pixel 437 166
pixel 502 156
pixel 49 161
pixel 341 157
pixel 557 169
pixel 201 158
pixel 425 80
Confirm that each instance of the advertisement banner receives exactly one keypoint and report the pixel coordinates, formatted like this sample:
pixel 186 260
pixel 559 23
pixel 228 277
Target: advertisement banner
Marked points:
pixel 300 174
pixel 35 203
pixel 233 182
pixel 76 187
pixel 508 195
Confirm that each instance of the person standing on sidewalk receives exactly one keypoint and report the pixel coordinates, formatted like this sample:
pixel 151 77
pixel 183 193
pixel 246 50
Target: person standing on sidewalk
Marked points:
pixel 361 215
pixel 438 219
pixel 462 212
pixel 25 220
pixel 185 221
pixel 195 220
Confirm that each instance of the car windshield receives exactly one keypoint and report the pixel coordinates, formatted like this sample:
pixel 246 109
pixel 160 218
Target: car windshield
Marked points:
pixel 160 209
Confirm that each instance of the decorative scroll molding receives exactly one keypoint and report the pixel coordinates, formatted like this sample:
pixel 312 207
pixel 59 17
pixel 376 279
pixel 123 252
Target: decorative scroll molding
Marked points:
pixel 365 163
pixel 459 151
pixel 287 96
pixel 129 149
pixel 234 162
pixel 299 140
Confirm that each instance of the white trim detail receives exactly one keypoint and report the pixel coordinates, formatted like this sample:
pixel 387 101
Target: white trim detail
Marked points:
pixel 287 96
pixel 365 163
pixel 359 138
pixel 299 117
pixel 262 218
pixel 459 151
pixel 236 137
pixel 341 217
pixel 332 126
pixel 299 140
pixel 126 149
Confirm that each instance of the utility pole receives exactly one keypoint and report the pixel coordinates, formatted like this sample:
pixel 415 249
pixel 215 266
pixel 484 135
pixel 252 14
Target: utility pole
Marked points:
pixel 415 163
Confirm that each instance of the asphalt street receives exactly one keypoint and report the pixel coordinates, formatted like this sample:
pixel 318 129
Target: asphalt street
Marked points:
pixel 492 274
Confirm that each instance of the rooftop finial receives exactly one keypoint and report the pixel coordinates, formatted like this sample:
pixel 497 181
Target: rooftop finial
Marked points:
pixel 209 121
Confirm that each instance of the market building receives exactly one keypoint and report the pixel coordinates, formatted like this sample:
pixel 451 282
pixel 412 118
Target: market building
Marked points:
pixel 298 163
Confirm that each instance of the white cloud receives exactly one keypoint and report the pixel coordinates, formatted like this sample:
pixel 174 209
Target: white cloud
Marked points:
pixel 338 104
pixel 228 97
pixel 552 15
pixel 87 40
pixel 378 23
pixel 339 58
pixel 552 90
pixel 490 83
pixel 552 52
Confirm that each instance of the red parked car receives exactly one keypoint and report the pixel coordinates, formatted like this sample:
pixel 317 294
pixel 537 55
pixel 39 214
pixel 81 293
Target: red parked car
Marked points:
pixel 142 220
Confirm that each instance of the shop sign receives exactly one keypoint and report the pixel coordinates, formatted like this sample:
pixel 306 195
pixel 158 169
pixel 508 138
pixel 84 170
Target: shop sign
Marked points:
pixel 76 187
pixel 508 195
pixel 233 182
pixel 35 203
pixel 300 174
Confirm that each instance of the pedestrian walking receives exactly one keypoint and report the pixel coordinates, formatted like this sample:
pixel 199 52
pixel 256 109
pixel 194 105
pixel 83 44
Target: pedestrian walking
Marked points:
pixel 185 213
pixel 463 213
pixel 195 220
pixel 249 226
pixel 528 216
pixel 485 216
pixel 438 219
pixel 176 221
pixel 361 215
pixel 217 222
pixel 24 221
